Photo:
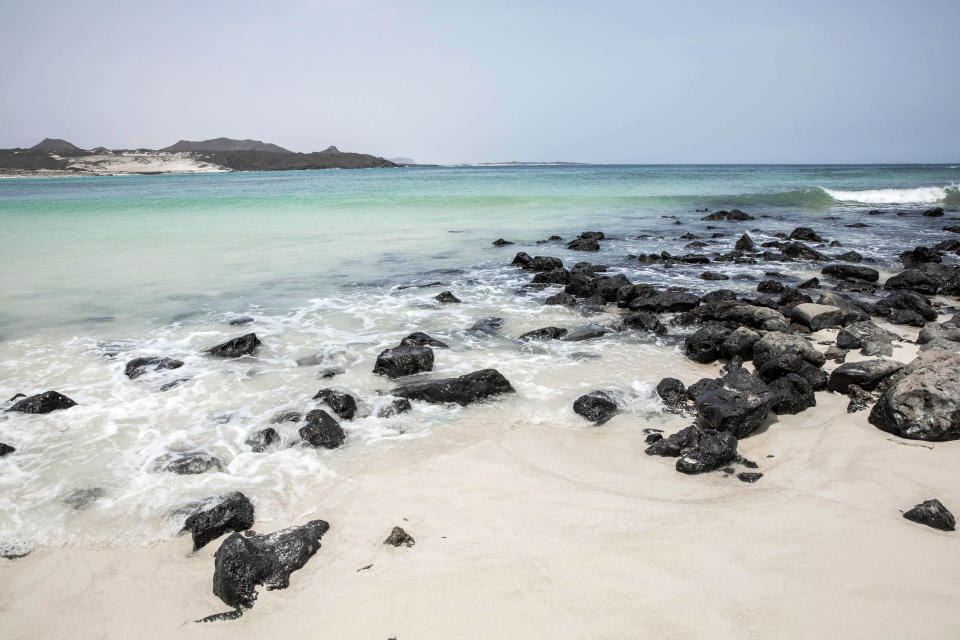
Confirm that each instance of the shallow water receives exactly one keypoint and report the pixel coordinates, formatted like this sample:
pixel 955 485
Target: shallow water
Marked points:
pixel 97 271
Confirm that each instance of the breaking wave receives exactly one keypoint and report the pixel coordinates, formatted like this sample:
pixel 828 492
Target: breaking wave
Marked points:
pixel 921 195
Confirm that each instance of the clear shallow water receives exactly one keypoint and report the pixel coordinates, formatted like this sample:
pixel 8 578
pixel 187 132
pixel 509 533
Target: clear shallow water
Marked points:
pixel 96 271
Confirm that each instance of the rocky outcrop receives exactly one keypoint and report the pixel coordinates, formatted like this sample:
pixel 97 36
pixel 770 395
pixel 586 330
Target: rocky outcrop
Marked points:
pixel 446 297
pixel 792 394
pixel 404 361
pixel 546 333
pixel 923 401
pixel 777 354
pixel 644 321
pixel 667 301
pixel 242 563
pixel 673 394
pixel 710 450
pixel 584 244
pixel 244 345
pixel 45 402
pixel 217 515
pixel 851 272
pixel 139 366
pixel 399 538
pixel 463 390
pixel 597 407
pixel 322 430
pixel 806 234
pixel 705 344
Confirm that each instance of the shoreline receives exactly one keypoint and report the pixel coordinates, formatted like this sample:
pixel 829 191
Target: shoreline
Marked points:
pixel 540 531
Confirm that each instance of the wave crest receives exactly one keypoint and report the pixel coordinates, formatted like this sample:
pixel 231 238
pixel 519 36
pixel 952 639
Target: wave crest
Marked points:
pixel 921 195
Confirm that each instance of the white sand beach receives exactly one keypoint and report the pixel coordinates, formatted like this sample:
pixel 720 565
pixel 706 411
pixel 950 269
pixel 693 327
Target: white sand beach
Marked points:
pixel 543 532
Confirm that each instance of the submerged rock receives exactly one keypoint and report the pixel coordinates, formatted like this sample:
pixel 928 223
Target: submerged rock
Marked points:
pixel 587 332
pixel 597 407
pixel 488 327
pixel 398 537
pixel 188 464
pixel 244 345
pixel 259 440
pixel 404 361
pixel 217 515
pixel 584 244
pixel 139 366
pixel 5 449
pixel 923 401
pixel 241 563
pixel 463 390
pixel 933 514
pixel 546 333
pixel 343 404
pixel 322 430
pixel 45 402
pixel 446 297
pixel 420 339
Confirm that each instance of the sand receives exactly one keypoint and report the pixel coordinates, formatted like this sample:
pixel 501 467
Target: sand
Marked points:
pixel 545 532
pixel 125 163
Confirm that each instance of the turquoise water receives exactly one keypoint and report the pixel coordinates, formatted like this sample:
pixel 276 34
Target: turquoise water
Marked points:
pixel 148 249
pixel 98 271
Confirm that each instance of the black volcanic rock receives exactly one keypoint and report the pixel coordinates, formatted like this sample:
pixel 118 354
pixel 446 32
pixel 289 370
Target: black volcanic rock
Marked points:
pixel 45 402
pixel 343 404
pixel 463 390
pixel 218 515
pixel 139 366
pixel 322 430
pixel 404 361
pixel 54 145
pixel 420 339
pixel 242 563
pixel 242 346
pixel 596 406
pixel 933 514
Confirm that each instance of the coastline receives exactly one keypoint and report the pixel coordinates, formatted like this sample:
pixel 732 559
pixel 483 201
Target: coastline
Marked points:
pixel 539 531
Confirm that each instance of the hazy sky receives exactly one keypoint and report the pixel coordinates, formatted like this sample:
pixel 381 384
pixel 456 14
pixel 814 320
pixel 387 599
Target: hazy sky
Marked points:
pixel 675 81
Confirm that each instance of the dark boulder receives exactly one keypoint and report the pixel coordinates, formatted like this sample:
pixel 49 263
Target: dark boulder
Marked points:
pixel 770 286
pixel 218 515
pixel 745 243
pixel 343 404
pixel 739 344
pixel 720 295
pixel 5 449
pixel 522 259
pixel 627 294
pixel 543 263
pixel 739 403
pixel 562 298
pixel 933 514
pixel 242 346
pixel 581 285
pixel 704 345
pixel 644 321
pixel 446 297
pixel 913 280
pixel 463 390
pixel 851 272
pixel 866 374
pixel 597 407
pixel 806 234
pixel 672 445
pixel 584 244
pixel 240 321
pixel 396 407
pixel 591 235
pixel 792 394
pixel 799 251
pixel 909 301
pixel 608 286
pixel 420 339
pixel 500 242
pixel 556 276
pixel 43 403
pixel 850 256
pixel 817 316
pixel 546 333
pixel 713 275
pixel 322 430
pixel 812 283
pixel 241 563
pixel 712 450
pixel 923 400
pixel 404 361
pixel 935 212
pixel 856 335
pixel 942 331
pixel 667 301
pixel 673 394
pixel 919 256
pixel 486 327
pixel 139 366
pixel 777 354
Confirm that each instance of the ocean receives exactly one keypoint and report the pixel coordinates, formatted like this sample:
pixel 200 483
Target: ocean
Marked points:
pixel 99 270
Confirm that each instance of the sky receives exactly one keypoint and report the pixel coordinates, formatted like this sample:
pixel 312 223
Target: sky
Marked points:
pixel 444 82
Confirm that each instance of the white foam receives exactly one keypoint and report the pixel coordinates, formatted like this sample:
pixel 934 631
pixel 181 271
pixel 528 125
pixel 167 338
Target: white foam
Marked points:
pixel 920 195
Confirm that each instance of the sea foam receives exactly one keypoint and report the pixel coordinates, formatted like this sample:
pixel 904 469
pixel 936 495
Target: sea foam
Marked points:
pixel 921 195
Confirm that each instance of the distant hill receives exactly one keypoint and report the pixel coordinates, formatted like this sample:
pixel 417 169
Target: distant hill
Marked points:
pixel 225 144
pixel 54 144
